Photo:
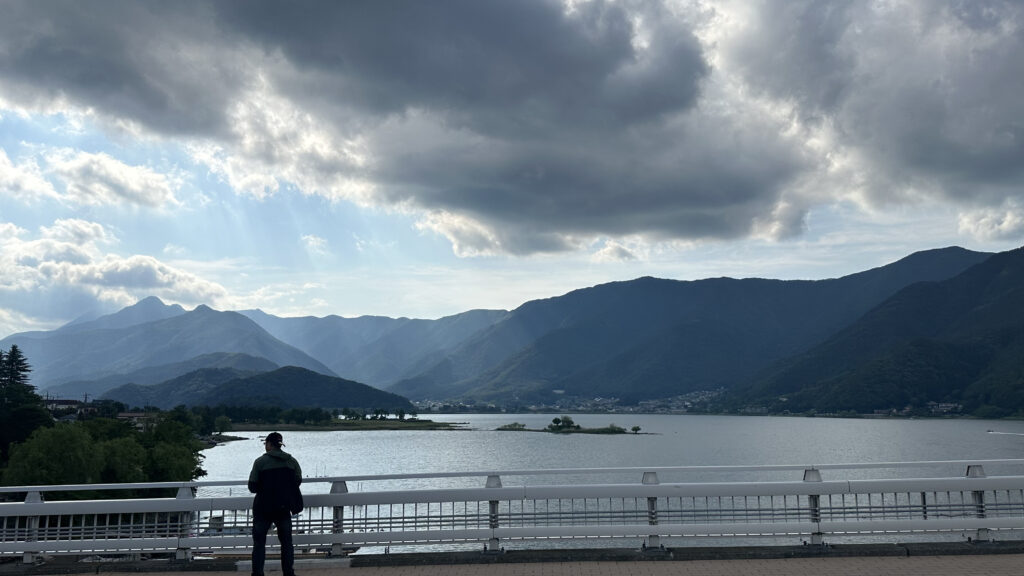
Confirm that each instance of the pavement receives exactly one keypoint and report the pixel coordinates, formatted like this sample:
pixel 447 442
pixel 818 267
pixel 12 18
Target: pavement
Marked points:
pixel 990 559
pixel 989 565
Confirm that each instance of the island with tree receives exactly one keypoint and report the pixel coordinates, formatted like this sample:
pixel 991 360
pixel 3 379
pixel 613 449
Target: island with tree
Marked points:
pixel 566 425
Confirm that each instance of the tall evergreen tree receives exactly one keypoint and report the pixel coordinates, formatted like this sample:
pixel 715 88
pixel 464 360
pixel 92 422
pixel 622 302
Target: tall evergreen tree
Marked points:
pixel 21 410
pixel 14 386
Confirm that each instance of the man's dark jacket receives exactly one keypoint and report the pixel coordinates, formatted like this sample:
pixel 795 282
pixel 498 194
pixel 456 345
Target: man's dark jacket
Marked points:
pixel 275 480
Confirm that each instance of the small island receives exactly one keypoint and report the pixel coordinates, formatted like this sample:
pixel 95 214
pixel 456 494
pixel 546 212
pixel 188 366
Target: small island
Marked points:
pixel 565 425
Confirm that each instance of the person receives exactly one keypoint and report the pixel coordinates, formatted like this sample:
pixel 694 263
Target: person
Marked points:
pixel 275 480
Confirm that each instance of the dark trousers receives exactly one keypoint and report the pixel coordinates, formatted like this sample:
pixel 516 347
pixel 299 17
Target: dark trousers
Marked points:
pixel 260 526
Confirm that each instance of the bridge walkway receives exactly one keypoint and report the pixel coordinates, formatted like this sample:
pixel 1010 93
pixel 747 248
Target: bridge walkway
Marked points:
pixel 962 565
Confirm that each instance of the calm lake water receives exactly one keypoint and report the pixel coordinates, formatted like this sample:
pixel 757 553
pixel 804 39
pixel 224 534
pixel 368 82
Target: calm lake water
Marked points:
pixel 664 440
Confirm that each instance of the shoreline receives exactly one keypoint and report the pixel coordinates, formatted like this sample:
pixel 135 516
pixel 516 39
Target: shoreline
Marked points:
pixel 344 425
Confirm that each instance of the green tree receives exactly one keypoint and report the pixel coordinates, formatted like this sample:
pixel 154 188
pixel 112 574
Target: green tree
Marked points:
pixel 14 370
pixel 222 424
pixel 172 463
pixel 635 429
pixel 21 410
pixel 63 454
pixel 103 429
pixel 173 450
pixel 124 460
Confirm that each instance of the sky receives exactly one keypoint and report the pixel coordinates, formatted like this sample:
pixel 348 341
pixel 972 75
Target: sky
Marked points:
pixel 421 159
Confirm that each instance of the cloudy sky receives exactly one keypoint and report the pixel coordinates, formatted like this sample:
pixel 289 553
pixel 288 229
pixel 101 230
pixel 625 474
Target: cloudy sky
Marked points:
pixel 409 158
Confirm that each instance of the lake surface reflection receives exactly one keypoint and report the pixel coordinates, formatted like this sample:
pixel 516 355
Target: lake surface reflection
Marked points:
pixel 664 440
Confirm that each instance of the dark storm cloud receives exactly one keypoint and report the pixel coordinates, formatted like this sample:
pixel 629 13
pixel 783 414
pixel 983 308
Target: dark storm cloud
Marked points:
pixel 514 66
pixel 702 179
pixel 932 93
pixel 551 120
pixel 532 126
pixel 129 60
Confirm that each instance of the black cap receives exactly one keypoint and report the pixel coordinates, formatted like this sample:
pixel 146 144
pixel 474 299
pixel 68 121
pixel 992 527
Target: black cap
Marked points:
pixel 275 439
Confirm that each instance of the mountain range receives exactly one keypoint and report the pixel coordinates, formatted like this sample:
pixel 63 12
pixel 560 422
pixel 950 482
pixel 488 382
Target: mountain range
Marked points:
pixel 288 387
pixel 653 338
pixel 818 343
pixel 960 341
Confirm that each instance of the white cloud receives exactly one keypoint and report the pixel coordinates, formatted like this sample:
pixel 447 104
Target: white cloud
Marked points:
pixel 10 230
pixel 467 236
pixel 23 181
pixel 99 179
pixel 1002 223
pixel 276 142
pixel 315 245
pixel 12 321
pixel 171 249
pixel 364 245
pixel 67 263
pixel 76 231
pixel 614 251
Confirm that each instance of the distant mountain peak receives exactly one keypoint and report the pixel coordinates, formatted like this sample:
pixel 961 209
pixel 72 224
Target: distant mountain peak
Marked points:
pixel 148 309
pixel 150 301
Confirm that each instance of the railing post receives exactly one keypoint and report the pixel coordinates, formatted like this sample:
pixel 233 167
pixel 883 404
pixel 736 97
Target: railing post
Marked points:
pixel 653 540
pixel 32 528
pixel 978 496
pixel 814 503
pixel 338 487
pixel 184 523
pixel 493 481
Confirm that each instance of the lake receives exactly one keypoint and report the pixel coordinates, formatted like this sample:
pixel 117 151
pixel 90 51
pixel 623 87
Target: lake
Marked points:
pixel 664 440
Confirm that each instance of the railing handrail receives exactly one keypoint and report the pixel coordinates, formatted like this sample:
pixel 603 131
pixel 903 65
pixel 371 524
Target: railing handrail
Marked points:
pixel 493 512
pixel 514 473
pixel 696 489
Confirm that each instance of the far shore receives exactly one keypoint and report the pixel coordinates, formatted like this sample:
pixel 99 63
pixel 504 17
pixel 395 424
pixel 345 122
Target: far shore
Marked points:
pixel 348 425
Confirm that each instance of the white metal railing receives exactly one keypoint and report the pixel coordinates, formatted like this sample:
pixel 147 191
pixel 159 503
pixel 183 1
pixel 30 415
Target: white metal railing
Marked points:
pixel 495 515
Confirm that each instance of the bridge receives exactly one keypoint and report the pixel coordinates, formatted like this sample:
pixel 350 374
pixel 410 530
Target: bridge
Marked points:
pixel 654 512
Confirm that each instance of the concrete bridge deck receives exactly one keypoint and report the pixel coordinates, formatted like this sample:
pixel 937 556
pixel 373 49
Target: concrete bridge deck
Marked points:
pixel 988 558
pixel 989 565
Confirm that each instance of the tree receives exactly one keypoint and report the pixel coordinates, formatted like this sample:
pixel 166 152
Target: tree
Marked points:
pixel 14 387
pixel 635 429
pixel 62 454
pixel 173 450
pixel 172 463
pixel 21 410
pixel 124 460
pixel 222 424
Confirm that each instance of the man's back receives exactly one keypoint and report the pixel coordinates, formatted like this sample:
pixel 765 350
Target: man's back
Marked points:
pixel 275 480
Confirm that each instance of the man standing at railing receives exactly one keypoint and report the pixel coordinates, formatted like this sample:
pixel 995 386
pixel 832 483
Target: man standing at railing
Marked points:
pixel 275 480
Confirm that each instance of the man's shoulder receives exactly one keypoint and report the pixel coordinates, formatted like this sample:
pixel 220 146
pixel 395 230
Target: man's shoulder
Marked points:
pixel 264 461
pixel 276 460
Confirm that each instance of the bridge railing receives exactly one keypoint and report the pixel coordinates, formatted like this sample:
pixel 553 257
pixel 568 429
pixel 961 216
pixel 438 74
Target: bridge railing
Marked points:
pixel 643 512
